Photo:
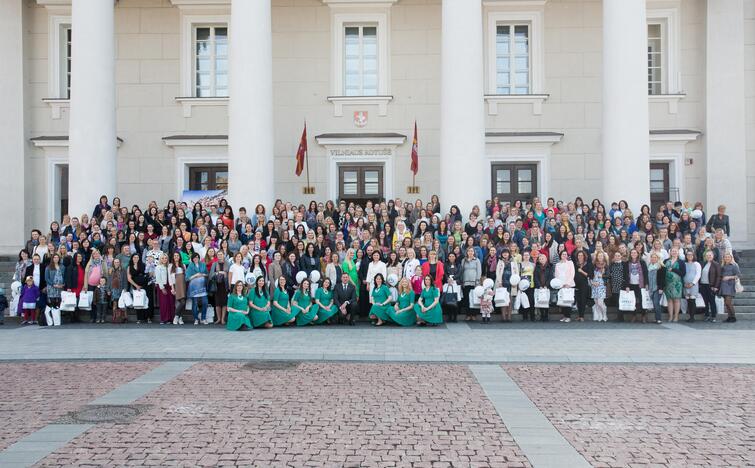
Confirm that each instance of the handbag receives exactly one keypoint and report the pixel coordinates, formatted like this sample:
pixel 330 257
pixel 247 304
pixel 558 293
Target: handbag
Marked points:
pixel 542 298
pixel 647 301
pixel 67 301
pixel 125 301
pixel 141 301
pixel 664 300
pixel 52 314
pixel 502 297
pixel 738 288
pixel 450 296
pixel 627 301
pixel 720 308
pixel 474 300
pixel 85 300
pixel 565 297
pixel 699 301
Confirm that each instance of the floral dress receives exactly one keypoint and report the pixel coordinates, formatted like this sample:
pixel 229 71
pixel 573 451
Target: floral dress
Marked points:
pixel 674 283
pixel 598 285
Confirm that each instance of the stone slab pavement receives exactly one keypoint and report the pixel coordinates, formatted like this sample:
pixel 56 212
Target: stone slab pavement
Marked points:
pixel 457 343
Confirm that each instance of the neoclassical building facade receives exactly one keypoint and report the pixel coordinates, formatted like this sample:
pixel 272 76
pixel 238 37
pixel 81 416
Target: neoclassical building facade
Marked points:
pixel 618 99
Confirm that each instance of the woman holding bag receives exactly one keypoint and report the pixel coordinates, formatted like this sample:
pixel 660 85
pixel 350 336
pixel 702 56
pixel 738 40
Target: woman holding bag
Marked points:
pixel 138 279
pixel 675 272
pixel 564 272
pixel 219 286
pixel 165 298
pixel 729 276
pixel 197 290
pixel 542 276
pixel 177 280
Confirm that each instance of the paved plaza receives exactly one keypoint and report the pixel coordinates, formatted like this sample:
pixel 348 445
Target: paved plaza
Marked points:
pixel 459 395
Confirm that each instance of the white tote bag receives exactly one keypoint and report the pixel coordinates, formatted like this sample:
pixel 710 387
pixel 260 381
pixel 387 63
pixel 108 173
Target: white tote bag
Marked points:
pixel 542 298
pixel 140 299
pixel 664 300
pixel 67 301
pixel 474 299
pixel 720 309
pixel 521 301
pixel 647 301
pixel 52 314
pixel 565 297
pixel 627 301
pixel 85 300
pixel 699 302
pixel 502 297
pixel 125 301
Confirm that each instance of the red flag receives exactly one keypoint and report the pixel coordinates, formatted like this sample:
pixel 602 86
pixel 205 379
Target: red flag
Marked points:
pixel 301 153
pixel 415 152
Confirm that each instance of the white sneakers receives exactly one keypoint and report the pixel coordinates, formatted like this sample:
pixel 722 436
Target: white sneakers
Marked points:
pixel 196 322
pixel 180 320
pixel 175 320
pixel 205 322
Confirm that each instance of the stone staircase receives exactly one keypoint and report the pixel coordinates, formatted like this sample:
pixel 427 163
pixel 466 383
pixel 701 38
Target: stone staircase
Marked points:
pixel 744 303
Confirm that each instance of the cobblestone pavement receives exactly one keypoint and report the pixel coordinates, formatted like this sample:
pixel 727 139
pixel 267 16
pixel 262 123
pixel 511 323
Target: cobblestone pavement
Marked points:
pixel 619 416
pixel 359 415
pixel 36 394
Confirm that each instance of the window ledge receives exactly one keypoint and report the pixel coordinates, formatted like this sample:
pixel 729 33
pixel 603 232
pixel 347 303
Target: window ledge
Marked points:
pixel 188 103
pixel 536 100
pixel 671 99
pixel 340 101
pixel 56 104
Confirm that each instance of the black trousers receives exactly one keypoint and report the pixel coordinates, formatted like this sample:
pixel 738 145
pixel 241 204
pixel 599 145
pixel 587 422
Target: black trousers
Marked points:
pixel 464 306
pixel 580 296
pixel 352 310
pixel 451 311
pixel 710 300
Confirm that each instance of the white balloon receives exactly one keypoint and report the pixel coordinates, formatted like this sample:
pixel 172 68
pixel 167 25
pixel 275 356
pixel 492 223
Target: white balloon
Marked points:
pixel 314 276
pixel 697 214
pixel 557 283
pixel 488 283
pixel 479 290
pixel 515 279
pixel 301 276
pixel 250 278
pixel 392 279
pixel 524 284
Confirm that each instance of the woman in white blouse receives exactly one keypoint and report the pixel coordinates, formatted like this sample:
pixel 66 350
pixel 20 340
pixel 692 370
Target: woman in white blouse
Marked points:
pixel 410 264
pixel 237 271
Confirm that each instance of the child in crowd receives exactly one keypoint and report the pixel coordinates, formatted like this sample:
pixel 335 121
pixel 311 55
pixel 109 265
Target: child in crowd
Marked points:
pixel 417 282
pixel 29 297
pixel 486 304
pixel 101 301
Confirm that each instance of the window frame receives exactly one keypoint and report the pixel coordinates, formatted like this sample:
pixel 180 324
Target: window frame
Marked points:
pixel 534 19
pixel 361 27
pixel 213 59
pixel 512 56
pixel 189 24
pixel 57 48
pixel 668 18
pixel 341 20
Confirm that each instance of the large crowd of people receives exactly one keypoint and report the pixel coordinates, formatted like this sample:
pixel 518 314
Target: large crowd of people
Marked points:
pixel 393 262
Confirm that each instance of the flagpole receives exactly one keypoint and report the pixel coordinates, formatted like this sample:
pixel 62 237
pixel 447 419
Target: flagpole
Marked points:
pixel 306 158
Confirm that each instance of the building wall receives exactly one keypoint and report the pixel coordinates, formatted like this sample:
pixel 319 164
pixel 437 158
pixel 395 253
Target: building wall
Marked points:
pixel 148 75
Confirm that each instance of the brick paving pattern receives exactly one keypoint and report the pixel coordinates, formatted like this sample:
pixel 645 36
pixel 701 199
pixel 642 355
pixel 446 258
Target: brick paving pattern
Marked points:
pixel 624 416
pixel 36 394
pixel 339 415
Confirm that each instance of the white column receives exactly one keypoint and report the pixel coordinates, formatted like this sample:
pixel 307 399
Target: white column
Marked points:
pixel 12 127
pixel 725 118
pixel 251 177
pixel 93 151
pixel 463 167
pixel 626 132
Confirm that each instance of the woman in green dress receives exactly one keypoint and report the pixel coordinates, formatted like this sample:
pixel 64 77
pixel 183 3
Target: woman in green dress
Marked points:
pixel 350 268
pixel 403 312
pixel 302 305
pixel 281 312
pixel 381 300
pixel 675 271
pixel 324 307
pixel 238 310
pixel 428 307
pixel 259 304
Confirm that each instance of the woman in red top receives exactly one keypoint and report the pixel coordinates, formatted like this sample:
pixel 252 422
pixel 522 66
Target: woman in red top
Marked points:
pixel 434 269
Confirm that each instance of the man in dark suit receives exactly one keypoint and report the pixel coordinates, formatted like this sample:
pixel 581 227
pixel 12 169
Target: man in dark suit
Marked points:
pixel 345 298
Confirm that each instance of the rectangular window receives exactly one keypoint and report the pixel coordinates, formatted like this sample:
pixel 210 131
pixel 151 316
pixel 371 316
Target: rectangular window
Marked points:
pixel 211 61
pixel 655 59
pixel 360 68
pixel 512 52
pixel 208 178
pixel 65 61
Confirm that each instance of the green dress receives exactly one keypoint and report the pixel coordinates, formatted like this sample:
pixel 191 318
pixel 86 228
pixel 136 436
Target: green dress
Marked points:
pixel 325 297
pixel 380 295
pixel 303 300
pixel 674 282
pixel 236 320
pixel 406 318
pixel 349 267
pixel 434 315
pixel 259 318
pixel 280 317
